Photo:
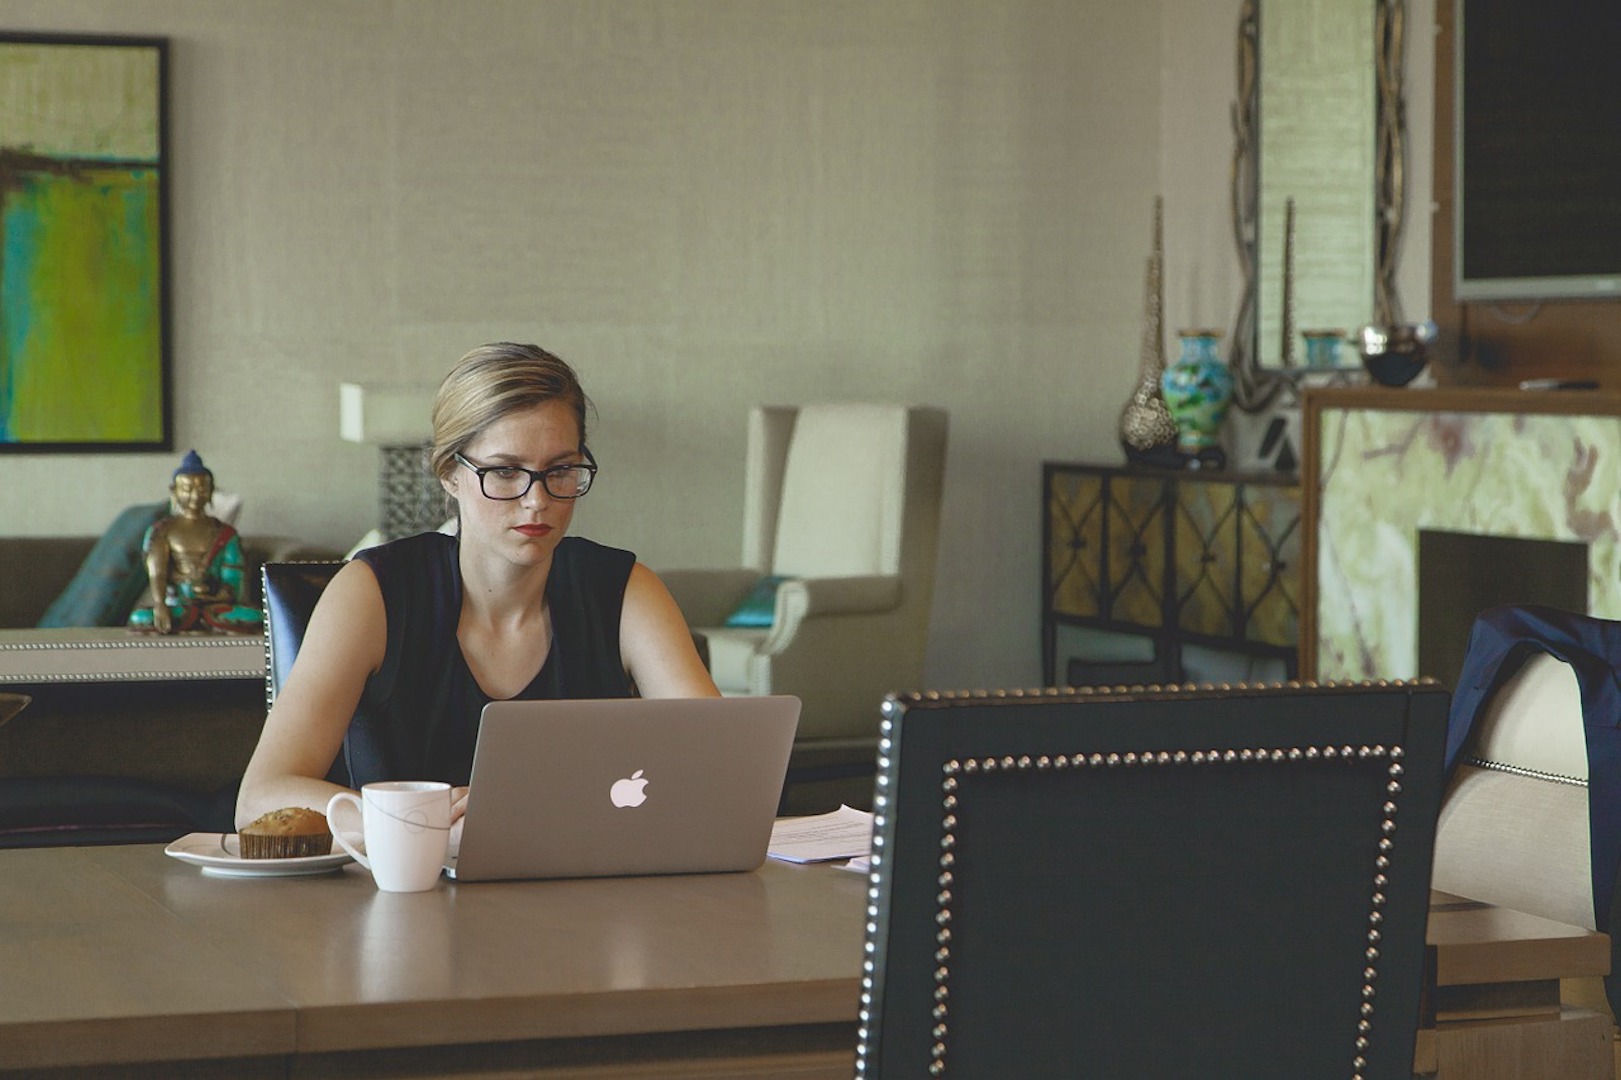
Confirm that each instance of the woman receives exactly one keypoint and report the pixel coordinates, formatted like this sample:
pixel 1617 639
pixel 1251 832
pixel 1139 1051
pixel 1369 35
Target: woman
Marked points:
pixel 411 639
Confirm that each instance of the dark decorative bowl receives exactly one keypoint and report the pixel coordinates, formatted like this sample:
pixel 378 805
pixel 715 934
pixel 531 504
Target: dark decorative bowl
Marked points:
pixel 1394 355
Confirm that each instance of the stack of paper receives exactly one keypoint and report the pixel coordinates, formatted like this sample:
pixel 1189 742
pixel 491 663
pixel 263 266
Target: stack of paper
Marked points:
pixel 846 833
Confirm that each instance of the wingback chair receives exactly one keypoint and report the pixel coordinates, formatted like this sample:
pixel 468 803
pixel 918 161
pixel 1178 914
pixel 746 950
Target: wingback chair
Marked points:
pixel 841 521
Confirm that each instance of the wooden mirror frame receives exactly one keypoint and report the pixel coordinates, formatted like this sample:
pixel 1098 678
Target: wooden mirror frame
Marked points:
pixel 1256 387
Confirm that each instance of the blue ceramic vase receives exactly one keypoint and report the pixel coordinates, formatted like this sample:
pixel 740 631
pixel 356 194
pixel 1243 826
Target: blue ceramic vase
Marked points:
pixel 1323 348
pixel 1197 390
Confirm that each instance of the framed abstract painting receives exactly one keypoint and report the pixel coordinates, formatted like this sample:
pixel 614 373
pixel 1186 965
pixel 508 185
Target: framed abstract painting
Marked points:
pixel 84 296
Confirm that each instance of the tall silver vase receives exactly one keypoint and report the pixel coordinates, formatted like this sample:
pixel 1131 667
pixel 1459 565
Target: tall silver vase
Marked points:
pixel 1147 431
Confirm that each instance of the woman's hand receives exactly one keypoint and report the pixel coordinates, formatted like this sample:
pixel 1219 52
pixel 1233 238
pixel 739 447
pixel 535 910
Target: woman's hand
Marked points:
pixel 458 813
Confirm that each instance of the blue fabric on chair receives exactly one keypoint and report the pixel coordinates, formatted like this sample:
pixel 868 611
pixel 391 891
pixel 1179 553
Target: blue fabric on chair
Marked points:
pixel 759 607
pixel 112 576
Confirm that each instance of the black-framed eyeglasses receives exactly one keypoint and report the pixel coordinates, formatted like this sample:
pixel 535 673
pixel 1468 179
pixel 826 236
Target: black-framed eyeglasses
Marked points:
pixel 508 482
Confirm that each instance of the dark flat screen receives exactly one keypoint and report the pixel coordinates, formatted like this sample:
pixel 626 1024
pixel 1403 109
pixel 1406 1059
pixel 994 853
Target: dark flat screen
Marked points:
pixel 1539 149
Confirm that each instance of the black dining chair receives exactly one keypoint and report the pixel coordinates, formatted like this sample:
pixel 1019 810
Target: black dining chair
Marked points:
pixel 1158 884
pixel 290 591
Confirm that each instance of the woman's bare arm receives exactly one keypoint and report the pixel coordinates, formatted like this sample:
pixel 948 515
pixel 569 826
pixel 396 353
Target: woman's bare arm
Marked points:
pixel 655 643
pixel 343 645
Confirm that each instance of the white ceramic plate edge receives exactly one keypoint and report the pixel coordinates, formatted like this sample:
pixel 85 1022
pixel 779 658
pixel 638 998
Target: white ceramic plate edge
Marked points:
pixel 214 854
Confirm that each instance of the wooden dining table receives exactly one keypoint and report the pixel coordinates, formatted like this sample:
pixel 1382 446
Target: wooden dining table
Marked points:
pixel 122 959
pixel 121 955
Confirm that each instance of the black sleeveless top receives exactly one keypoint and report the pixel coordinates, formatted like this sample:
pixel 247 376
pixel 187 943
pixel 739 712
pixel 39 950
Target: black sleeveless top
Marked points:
pixel 418 716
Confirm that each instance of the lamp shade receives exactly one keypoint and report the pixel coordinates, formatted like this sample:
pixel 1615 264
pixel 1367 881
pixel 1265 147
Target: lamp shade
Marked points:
pixel 385 414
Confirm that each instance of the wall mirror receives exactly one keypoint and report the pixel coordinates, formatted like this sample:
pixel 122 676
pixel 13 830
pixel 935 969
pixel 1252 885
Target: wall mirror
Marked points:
pixel 1317 181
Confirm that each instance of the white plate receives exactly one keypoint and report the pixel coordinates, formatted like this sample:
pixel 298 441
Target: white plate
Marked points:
pixel 218 854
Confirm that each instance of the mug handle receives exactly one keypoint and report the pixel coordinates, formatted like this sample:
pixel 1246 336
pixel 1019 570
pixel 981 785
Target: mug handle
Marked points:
pixel 341 799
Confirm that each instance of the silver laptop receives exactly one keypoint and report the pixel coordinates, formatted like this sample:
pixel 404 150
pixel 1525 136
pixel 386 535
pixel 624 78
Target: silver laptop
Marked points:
pixel 624 786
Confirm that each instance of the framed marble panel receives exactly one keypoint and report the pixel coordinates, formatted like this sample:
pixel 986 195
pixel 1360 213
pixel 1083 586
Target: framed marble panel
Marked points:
pixel 1385 474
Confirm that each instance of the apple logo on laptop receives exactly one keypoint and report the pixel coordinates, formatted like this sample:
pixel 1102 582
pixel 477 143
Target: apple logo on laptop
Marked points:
pixel 628 791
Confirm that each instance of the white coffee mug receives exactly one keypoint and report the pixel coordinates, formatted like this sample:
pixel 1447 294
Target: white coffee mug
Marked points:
pixel 406 830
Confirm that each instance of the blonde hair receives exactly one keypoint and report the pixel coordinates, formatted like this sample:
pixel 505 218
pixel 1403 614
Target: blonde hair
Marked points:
pixel 491 382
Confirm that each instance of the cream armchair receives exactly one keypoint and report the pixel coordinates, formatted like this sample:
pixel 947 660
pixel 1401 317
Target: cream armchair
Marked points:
pixel 843 503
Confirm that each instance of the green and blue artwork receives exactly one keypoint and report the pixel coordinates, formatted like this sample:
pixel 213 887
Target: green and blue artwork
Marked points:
pixel 82 347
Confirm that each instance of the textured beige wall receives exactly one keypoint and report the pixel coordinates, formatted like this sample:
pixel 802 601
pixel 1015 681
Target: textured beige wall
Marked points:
pixel 703 204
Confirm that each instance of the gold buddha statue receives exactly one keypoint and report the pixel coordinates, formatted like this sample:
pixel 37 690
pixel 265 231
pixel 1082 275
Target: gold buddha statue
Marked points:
pixel 194 564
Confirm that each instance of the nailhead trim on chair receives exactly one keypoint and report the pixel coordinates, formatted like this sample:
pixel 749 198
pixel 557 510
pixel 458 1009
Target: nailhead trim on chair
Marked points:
pixel 264 590
pixel 1520 770
pixel 264 593
pixel 954 771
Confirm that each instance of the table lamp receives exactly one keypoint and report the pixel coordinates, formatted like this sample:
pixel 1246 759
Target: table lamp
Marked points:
pixel 396 419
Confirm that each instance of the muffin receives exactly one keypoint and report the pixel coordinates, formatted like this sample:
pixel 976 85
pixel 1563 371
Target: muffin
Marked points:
pixel 291 833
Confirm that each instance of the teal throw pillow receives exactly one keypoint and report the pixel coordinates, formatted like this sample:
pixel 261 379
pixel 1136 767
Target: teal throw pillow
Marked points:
pixel 111 578
pixel 759 606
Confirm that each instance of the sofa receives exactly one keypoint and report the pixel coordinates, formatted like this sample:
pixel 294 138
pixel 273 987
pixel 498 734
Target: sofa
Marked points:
pixel 35 570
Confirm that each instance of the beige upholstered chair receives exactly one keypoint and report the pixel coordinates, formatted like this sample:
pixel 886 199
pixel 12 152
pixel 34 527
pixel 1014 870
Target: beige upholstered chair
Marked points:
pixel 1515 823
pixel 1513 829
pixel 843 501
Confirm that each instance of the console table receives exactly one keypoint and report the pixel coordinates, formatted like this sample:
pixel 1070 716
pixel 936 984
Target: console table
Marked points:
pixel 112 654
pixel 183 710
pixel 1181 558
